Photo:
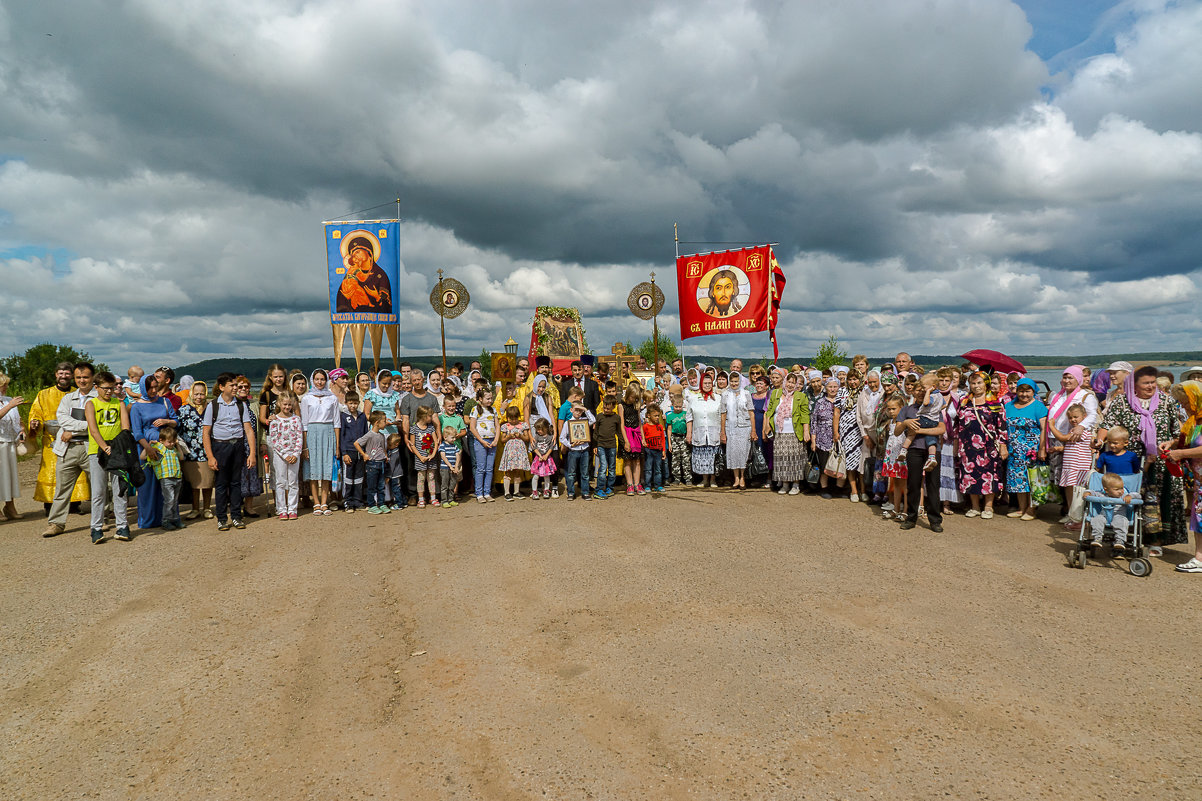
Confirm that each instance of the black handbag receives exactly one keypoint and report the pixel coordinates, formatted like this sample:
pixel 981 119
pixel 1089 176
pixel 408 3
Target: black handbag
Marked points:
pixel 757 464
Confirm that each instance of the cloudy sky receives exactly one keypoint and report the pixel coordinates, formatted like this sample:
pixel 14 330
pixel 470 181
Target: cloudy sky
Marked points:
pixel 940 174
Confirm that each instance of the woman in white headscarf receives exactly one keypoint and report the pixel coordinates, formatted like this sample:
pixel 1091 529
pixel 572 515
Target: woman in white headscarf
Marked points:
pixel 737 428
pixel 319 417
pixel 867 403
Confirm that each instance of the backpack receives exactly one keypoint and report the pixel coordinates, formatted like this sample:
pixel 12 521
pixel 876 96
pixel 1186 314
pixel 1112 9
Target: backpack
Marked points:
pixel 241 409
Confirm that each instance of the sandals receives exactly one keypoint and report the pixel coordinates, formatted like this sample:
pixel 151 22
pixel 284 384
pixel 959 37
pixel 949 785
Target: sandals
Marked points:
pixel 1015 513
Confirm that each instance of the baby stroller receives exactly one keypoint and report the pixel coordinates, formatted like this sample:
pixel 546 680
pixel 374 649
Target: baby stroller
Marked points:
pixel 1137 564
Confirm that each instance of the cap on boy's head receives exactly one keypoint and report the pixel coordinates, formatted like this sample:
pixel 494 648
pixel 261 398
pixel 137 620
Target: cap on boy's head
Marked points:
pixel 542 361
pixel 588 360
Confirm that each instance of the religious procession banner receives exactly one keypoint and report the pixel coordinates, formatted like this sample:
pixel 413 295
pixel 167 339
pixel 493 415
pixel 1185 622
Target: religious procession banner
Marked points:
pixel 363 258
pixel 729 292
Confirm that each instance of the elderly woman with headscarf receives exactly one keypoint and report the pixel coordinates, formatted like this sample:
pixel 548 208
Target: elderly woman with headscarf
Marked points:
pixel 949 486
pixel 761 398
pixel 1152 419
pixel 319 417
pixel 195 465
pixel 867 403
pixel 1072 391
pixel 787 424
pixel 703 417
pixel 1188 451
pixel 1026 427
pixel 824 429
pixel 737 429
pixel 146 416
pixel 851 437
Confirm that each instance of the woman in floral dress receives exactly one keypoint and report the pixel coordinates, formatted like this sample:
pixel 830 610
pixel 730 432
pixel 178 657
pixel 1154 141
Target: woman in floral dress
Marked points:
pixel 851 438
pixel 1151 417
pixel 1026 424
pixel 1188 450
pixel 981 434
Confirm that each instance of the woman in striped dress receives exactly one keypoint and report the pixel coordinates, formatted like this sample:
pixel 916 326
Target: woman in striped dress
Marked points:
pixel 851 437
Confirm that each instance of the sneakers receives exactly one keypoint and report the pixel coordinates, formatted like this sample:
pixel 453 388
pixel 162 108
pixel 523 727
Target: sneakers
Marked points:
pixel 375 510
pixel 123 535
pixel 97 536
pixel 554 492
pixel 887 506
pixel 239 524
pixel 571 496
pixel 396 507
pixel 54 529
pixel 451 504
pixel 586 497
pixel 930 464
pixel 794 490
pixel 283 515
pixel 1192 566
pixel 1118 550
pixel 640 489
pixel 292 515
pixel 508 497
pixel 657 489
pixel 782 491
pixel 629 490
pixel 854 499
pixel 480 499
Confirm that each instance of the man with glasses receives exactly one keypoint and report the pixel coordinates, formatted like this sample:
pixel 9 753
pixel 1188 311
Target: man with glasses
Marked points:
pixel 106 418
pixel 70 446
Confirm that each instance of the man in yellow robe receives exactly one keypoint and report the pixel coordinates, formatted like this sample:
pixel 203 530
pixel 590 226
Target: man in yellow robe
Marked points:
pixel 43 421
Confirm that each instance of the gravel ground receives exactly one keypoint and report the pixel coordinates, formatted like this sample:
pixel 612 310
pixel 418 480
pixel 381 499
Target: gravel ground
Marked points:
pixel 702 645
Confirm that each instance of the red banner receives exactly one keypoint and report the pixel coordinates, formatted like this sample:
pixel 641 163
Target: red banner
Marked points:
pixel 731 292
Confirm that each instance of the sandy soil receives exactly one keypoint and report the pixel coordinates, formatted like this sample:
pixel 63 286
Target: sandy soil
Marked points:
pixel 706 645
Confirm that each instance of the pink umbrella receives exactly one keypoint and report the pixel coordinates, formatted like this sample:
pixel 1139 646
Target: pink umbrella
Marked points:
pixel 991 358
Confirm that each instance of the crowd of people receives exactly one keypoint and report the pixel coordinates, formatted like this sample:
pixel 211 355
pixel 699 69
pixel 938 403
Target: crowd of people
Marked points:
pixel 918 444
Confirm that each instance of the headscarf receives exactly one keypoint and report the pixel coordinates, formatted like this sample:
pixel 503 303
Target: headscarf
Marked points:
pixel 1058 404
pixel 193 397
pixel 541 409
pixel 1035 410
pixel 829 381
pixel 1192 426
pixel 143 387
pixel 186 383
pixel 694 379
pixel 812 374
pixel 324 391
pixel 335 374
pixel 1101 383
pixel 1147 422
pixel 376 386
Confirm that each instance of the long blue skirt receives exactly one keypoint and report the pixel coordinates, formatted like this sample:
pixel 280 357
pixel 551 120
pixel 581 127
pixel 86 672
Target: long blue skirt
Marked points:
pixel 150 500
pixel 320 464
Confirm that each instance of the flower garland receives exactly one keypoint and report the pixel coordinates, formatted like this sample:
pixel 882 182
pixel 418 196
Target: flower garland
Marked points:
pixel 559 313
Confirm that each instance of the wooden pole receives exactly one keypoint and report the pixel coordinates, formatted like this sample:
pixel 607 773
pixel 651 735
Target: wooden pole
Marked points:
pixel 655 330
pixel 442 326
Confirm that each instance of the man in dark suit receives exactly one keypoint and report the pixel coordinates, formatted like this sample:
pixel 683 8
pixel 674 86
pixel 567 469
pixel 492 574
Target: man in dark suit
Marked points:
pixel 592 392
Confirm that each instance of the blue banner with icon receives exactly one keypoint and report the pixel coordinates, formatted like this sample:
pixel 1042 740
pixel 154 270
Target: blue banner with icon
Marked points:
pixel 364 262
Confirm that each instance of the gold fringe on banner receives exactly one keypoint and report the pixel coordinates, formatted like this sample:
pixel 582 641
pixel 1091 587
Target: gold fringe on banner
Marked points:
pixel 339 330
pixel 357 331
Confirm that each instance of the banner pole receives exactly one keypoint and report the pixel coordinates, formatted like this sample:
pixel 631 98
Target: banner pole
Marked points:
pixel 442 327
pixel 675 269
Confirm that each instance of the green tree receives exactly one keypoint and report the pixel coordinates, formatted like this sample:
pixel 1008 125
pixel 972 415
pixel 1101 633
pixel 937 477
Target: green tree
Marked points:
pixel 34 369
pixel 829 354
pixel 667 349
pixel 485 363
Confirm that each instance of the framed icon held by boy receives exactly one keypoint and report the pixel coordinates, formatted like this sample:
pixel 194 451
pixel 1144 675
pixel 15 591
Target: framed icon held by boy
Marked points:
pixel 578 432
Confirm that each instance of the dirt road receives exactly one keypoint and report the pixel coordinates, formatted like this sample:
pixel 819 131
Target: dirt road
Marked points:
pixel 706 645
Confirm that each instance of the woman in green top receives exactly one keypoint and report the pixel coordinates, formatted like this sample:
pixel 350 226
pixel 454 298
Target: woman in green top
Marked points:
pixel 788 416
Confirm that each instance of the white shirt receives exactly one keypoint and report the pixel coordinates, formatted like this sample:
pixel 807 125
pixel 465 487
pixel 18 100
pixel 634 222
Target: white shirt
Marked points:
pixel 705 415
pixel 1086 398
pixel 68 420
pixel 738 408
pixel 322 409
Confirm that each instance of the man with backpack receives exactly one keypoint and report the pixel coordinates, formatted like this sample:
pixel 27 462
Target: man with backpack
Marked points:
pixel 226 427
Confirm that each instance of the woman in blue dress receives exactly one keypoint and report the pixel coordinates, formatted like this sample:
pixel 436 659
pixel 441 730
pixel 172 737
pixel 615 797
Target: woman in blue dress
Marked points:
pixel 146 416
pixel 1026 423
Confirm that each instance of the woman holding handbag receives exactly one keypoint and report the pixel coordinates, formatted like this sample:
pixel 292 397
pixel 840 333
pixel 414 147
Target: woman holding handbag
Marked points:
pixel 982 436
pixel 1026 427
pixel 787 425
pixel 824 432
